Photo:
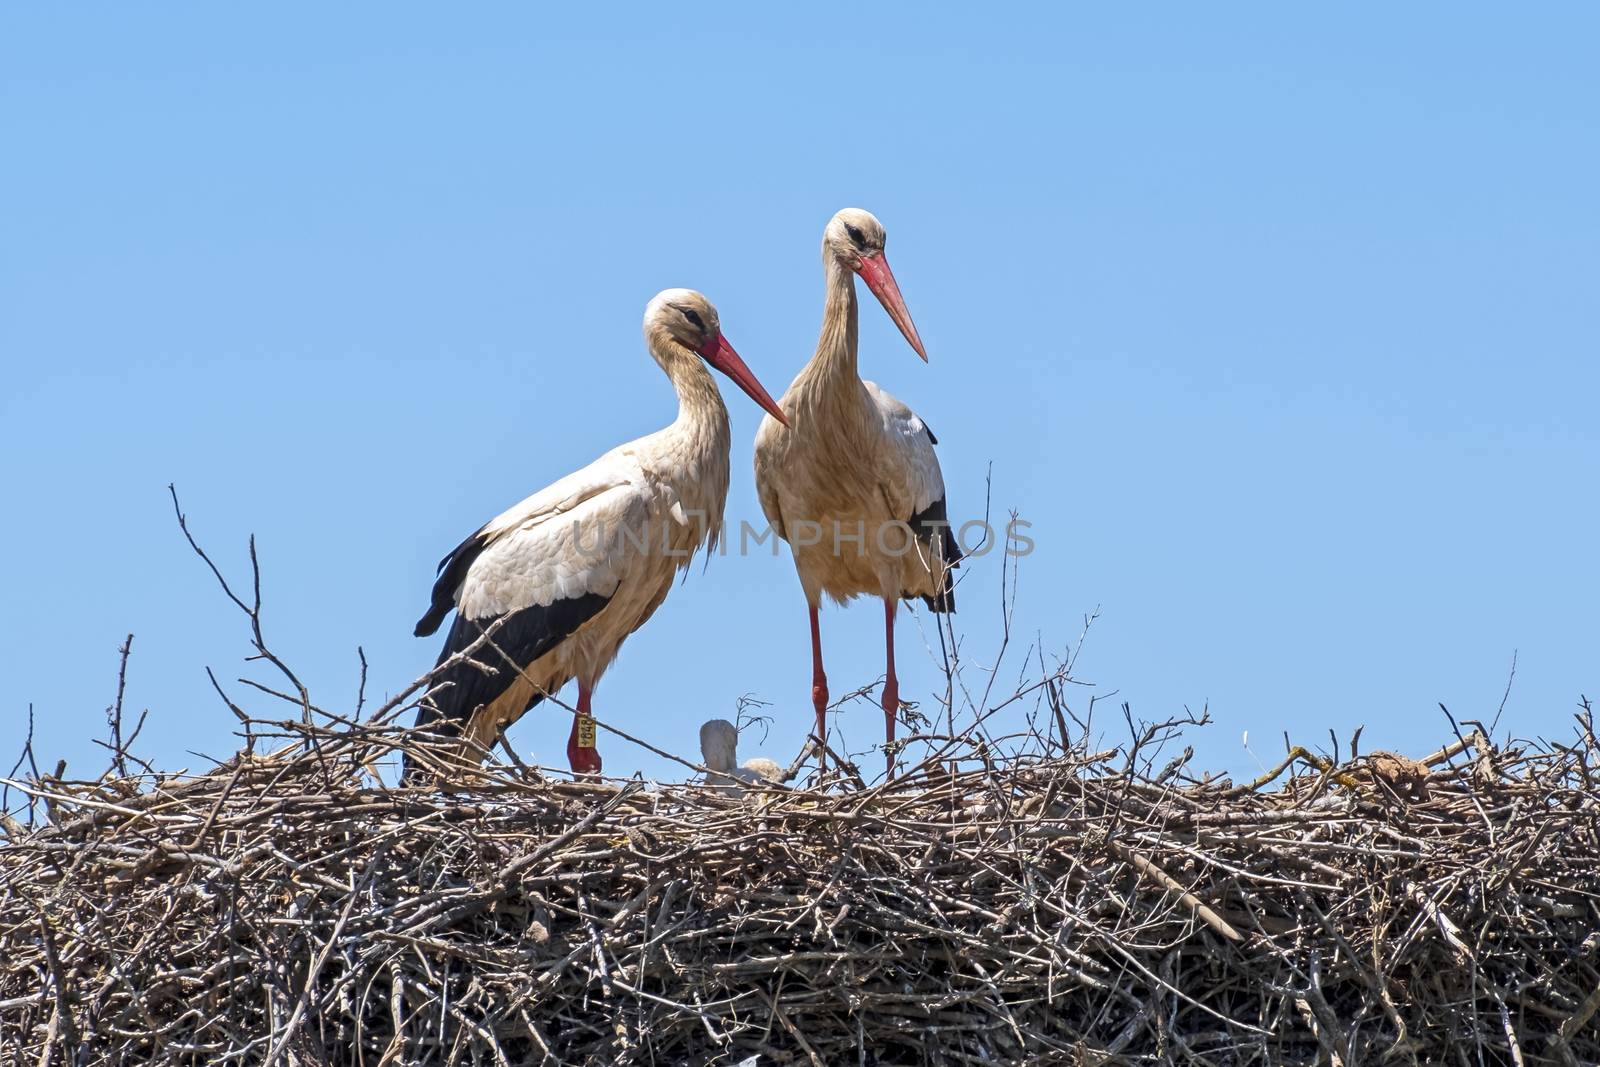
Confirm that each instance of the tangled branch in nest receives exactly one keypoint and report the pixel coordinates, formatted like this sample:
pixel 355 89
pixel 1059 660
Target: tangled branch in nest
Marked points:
pixel 1057 905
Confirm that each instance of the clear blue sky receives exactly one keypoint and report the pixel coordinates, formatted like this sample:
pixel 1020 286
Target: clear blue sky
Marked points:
pixel 1279 323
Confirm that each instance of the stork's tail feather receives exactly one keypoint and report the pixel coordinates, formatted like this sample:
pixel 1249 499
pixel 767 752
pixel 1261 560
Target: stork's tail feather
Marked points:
pixel 431 621
pixel 933 528
pixel 452 572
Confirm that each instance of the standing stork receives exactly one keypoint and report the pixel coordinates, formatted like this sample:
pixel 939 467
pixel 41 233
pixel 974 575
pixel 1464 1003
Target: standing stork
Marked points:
pixel 850 479
pixel 578 566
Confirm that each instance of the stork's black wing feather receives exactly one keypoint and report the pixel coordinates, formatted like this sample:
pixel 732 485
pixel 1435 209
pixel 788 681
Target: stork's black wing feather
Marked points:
pixel 932 527
pixel 523 637
pixel 452 571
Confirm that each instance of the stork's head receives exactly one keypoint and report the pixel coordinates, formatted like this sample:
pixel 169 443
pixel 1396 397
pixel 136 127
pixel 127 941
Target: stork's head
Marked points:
pixel 855 239
pixel 719 744
pixel 683 323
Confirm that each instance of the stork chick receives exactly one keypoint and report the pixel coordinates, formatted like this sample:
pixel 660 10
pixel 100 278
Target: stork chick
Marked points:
pixel 719 745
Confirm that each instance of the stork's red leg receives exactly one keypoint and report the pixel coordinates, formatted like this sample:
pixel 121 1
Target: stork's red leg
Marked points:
pixel 891 685
pixel 819 691
pixel 581 753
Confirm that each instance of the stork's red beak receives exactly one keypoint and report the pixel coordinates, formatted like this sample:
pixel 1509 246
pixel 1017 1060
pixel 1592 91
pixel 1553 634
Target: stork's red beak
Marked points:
pixel 874 270
pixel 720 354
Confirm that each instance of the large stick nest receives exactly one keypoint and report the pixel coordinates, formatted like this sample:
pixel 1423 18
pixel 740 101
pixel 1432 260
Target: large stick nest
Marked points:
pixel 1061 906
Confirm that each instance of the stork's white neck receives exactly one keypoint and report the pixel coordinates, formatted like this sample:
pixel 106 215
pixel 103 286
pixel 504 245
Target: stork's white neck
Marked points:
pixel 830 380
pixel 692 453
pixel 699 401
pixel 836 347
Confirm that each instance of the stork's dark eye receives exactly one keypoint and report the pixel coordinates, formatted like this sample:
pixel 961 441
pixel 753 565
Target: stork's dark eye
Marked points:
pixel 856 236
pixel 693 317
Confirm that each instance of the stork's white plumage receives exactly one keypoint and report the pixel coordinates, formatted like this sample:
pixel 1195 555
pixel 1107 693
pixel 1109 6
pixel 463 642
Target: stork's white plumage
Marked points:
pixel 851 480
pixel 578 566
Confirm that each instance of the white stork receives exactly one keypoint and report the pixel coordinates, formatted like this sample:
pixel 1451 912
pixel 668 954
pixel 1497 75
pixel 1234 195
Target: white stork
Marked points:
pixel 850 478
pixel 578 566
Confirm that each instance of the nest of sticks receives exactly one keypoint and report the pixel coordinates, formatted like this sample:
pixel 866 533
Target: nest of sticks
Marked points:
pixel 1051 904
pixel 1024 894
